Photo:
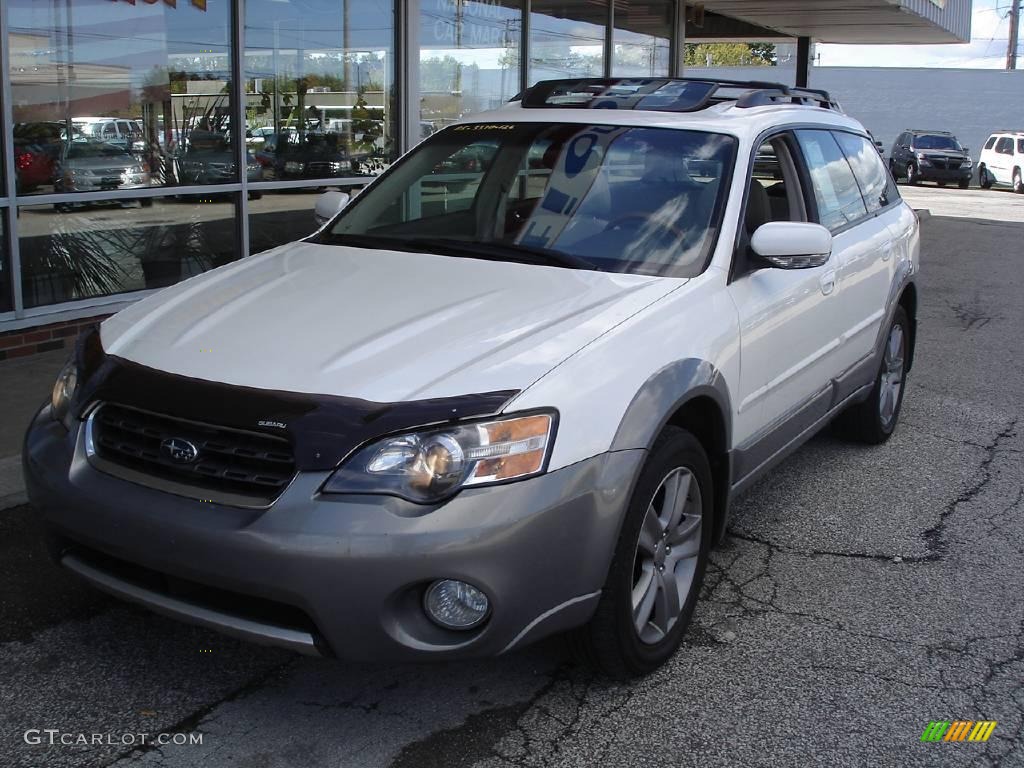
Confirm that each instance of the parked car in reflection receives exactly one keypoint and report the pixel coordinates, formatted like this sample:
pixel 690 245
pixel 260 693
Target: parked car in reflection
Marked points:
pixel 37 147
pixel 118 131
pixel 210 159
pixel 286 156
pixel 94 166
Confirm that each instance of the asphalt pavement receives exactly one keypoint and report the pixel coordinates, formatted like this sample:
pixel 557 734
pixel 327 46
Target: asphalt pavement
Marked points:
pixel 860 594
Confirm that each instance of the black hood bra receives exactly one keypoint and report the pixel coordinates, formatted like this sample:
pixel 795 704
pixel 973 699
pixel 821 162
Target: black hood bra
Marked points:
pixel 323 429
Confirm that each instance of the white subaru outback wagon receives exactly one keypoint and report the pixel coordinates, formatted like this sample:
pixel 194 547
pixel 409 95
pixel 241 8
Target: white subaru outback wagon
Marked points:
pixel 508 391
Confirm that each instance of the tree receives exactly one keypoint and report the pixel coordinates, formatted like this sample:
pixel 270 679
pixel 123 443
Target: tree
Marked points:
pixel 730 55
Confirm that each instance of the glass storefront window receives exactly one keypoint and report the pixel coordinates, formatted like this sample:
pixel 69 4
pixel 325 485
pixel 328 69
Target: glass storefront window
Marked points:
pixel 469 58
pixel 320 88
pixel 280 217
pixel 120 95
pixel 5 266
pixel 79 250
pixel 567 38
pixel 641 37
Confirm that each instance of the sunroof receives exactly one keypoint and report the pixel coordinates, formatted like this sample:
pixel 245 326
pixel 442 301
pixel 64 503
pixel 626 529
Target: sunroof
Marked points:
pixel 628 93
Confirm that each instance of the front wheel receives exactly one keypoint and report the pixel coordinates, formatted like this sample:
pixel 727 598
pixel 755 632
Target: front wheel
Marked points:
pixel 985 178
pixel 965 183
pixel 658 566
pixel 874 420
pixel 911 174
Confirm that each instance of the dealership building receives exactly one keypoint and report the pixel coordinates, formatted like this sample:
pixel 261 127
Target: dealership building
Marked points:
pixel 146 141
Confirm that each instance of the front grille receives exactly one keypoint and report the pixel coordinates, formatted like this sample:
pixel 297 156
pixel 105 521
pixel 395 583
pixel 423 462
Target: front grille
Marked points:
pixel 323 168
pixel 231 466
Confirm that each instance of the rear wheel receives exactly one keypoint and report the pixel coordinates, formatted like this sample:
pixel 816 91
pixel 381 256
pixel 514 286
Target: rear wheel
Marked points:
pixel 658 566
pixel 874 420
pixel 1018 181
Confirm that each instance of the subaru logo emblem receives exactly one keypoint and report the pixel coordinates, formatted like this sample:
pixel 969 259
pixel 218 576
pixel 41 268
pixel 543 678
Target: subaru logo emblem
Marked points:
pixel 179 450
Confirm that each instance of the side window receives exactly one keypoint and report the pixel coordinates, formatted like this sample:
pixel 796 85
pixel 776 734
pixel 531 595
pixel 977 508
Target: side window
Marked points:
pixel 868 170
pixel 774 189
pixel 1020 146
pixel 991 142
pixel 835 188
pixel 904 139
pixel 1005 146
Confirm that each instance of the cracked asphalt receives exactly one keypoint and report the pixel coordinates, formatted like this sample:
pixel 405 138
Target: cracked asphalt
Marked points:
pixel 861 593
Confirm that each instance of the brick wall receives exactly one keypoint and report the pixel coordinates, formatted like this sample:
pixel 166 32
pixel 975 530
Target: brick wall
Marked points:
pixel 43 338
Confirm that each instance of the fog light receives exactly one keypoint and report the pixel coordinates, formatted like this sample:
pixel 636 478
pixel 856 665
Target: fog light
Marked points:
pixel 456 604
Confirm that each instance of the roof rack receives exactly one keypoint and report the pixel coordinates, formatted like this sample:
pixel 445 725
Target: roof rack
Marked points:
pixel 667 94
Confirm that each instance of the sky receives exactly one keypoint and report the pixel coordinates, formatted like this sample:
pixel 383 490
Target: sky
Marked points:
pixel 987 50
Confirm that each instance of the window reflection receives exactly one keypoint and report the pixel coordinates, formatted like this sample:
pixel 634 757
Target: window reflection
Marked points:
pixel 320 87
pixel 567 38
pixel 100 249
pixel 5 267
pixel 641 38
pixel 138 79
pixel 285 216
pixel 469 58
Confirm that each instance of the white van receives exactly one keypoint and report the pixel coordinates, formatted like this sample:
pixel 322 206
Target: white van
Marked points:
pixel 1002 160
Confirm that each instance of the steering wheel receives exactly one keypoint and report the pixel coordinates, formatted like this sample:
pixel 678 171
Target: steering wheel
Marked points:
pixel 644 218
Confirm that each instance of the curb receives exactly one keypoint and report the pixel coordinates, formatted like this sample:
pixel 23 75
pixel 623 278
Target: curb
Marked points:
pixel 12 484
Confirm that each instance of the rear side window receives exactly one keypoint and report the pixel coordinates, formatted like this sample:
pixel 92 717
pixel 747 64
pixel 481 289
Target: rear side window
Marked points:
pixel 991 142
pixel 1005 146
pixel 867 167
pixel 835 188
pixel 1020 146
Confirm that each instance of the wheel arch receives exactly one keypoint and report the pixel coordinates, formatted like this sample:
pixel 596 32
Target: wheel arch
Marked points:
pixel 691 394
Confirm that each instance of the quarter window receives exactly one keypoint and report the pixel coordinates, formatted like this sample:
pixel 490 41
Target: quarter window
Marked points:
pixel 1020 146
pixel 868 170
pixel 835 188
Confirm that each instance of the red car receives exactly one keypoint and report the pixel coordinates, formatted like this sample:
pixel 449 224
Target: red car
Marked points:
pixel 36 148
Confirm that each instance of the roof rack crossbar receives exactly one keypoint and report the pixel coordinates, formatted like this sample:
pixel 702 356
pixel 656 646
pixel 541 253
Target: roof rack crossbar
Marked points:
pixel 658 94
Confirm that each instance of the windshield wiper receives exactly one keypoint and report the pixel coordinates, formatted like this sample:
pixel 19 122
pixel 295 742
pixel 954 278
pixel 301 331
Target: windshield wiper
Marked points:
pixel 463 249
pixel 524 254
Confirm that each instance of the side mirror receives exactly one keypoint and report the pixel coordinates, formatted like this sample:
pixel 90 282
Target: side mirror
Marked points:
pixel 967 150
pixel 792 244
pixel 329 205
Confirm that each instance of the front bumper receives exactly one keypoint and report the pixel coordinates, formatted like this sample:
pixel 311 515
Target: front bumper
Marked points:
pixel 355 566
pixel 931 173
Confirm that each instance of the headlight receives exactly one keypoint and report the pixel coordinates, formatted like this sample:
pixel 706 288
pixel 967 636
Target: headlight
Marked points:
pixel 431 465
pixel 64 391
pixel 292 166
pixel 922 158
pixel 967 163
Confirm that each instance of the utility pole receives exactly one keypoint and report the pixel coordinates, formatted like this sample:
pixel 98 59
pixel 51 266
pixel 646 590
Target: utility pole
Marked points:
pixel 1011 45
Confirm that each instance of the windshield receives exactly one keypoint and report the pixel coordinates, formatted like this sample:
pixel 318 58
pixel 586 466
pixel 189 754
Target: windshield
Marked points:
pixel 936 142
pixel 611 198
pixel 95 149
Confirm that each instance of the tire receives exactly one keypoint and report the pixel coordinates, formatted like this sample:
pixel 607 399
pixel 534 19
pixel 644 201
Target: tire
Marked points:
pixel 146 202
pixel 614 642
pixel 912 174
pixel 964 183
pixel 1018 182
pixel 255 195
pixel 984 178
pixel 874 420
pixel 942 183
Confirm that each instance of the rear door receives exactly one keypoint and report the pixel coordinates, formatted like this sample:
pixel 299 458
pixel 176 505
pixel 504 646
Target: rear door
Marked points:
pixel 865 258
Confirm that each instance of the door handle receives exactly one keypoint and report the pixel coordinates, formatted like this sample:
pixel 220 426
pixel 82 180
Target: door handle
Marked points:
pixel 828 282
pixel 887 252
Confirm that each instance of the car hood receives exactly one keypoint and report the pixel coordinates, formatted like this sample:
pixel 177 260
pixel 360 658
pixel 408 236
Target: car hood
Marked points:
pixel 379 325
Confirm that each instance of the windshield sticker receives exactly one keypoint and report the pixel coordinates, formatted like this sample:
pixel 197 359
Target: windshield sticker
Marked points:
pixel 575 171
pixel 485 127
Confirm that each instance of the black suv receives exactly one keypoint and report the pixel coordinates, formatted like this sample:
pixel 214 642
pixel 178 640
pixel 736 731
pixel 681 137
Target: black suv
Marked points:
pixel 930 156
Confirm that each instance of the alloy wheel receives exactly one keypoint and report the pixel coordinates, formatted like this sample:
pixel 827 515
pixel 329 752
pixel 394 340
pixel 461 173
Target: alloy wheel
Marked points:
pixel 666 555
pixel 892 375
